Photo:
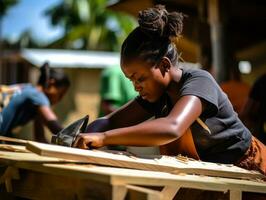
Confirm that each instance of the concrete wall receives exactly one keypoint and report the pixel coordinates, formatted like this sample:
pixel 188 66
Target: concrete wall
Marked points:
pixel 83 96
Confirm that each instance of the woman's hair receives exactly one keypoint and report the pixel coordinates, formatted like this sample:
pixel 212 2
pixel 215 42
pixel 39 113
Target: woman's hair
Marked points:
pixel 60 78
pixel 154 37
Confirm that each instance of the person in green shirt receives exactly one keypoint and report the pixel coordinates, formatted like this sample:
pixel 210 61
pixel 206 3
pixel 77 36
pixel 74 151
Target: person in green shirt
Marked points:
pixel 116 90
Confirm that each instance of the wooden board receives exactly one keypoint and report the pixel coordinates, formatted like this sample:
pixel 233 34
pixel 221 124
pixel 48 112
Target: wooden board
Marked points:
pixel 13 140
pixel 18 153
pixel 10 157
pixel 163 164
pixel 84 180
pixel 137 177
pixel 13 148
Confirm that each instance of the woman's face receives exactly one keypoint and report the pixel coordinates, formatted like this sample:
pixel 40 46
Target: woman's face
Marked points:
pixel 55 94
pixel 150 81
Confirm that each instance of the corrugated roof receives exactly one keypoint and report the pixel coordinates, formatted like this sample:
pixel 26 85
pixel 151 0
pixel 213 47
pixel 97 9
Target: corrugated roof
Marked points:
pixel 78 59
pixel 71 58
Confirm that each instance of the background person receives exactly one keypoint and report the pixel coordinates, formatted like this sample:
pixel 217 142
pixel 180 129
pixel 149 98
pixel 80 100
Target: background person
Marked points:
pixel 29 102
pixel 236 89
pixel 116 90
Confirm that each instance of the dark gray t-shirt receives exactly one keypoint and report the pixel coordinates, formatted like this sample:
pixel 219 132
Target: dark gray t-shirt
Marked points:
pixel 21 108
pixel 229 138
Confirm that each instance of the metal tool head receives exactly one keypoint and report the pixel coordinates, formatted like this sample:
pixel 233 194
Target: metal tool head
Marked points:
pixel 67 136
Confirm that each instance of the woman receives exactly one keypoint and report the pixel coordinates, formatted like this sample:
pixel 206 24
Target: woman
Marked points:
pixel 28 102
pixel 192 114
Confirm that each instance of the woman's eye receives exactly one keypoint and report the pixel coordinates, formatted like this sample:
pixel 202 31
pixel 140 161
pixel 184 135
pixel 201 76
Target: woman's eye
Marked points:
pixel 141 79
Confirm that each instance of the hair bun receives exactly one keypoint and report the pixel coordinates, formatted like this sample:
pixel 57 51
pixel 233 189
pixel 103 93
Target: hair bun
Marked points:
pixel 158 22
pixel 45 74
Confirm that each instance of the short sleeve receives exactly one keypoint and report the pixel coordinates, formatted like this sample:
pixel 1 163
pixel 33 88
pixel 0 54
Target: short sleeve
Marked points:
pixel 202 85
pixel 39 99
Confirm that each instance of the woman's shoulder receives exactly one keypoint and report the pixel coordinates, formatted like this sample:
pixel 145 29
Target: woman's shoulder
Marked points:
pixel 196 74
pixel 29 88
pixel 35 95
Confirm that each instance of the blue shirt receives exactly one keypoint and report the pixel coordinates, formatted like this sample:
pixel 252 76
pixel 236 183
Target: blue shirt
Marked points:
pixel 22 108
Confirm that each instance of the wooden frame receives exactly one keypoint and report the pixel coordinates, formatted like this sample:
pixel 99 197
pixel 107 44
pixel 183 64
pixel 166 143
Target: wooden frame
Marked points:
pixel 121 180
pixel 54 174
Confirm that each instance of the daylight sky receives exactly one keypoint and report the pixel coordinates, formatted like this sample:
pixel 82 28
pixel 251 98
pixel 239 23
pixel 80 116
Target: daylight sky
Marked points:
pixel 28 14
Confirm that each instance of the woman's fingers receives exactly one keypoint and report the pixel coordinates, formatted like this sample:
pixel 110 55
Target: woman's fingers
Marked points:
pixel 80 142
pixel 89 140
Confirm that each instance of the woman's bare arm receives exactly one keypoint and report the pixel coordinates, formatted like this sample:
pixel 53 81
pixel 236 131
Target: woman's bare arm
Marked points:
pixel 129 114
pixel 149 133
pixel 49 119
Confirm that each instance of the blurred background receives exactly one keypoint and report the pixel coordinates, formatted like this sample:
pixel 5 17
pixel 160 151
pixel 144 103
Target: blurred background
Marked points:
pixel 227 38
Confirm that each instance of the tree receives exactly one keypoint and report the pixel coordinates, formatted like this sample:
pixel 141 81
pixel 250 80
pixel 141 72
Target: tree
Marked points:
pixel 89 25
pixel 5 5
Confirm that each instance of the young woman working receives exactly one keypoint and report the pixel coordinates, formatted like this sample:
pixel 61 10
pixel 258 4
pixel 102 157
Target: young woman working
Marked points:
pixel 192 114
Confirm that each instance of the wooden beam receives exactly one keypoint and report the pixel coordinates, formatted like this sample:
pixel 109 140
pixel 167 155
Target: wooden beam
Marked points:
pixel 235 195
pixel 9 174
pixel 119 192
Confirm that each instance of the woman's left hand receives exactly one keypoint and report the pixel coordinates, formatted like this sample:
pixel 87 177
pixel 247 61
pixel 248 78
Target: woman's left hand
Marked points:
pixel 89 140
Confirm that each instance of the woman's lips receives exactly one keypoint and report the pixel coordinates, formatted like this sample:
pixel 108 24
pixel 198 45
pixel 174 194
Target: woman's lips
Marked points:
pixel 144 96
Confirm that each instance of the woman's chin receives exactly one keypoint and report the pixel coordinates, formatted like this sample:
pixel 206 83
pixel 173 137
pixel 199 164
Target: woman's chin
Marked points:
pixel 151 100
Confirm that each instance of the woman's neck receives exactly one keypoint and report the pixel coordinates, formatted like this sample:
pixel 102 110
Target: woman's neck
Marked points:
pixel 174 85
pixel 176 75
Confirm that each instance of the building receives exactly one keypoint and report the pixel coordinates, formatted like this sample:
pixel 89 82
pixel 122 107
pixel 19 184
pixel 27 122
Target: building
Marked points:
pixel 83 67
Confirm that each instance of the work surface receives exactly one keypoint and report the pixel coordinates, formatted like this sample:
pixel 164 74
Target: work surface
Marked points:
pixel 70 178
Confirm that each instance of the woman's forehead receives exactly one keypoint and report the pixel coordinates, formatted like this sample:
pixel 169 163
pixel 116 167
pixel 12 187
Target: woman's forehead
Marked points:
pixel 132 72
pixel 129 72
pixel 135 66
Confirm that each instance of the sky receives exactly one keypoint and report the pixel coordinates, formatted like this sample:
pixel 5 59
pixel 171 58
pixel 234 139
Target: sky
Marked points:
pixel 29 14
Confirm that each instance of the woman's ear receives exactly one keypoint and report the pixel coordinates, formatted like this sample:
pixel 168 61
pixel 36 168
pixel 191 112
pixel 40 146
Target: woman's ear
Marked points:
pixel 164 65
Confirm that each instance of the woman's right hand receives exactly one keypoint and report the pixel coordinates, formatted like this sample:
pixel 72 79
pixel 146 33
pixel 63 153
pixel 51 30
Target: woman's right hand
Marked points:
pixel 89 140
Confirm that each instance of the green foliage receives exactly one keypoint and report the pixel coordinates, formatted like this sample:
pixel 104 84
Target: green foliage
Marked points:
pixel 5 5
pixel 90 25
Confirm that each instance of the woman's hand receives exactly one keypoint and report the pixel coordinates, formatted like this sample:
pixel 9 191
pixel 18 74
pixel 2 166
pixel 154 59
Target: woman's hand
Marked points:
pixel 89 140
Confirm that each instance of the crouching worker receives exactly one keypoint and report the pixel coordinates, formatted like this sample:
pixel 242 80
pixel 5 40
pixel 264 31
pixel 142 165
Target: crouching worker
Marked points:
pixel 192 114
pixel 27 102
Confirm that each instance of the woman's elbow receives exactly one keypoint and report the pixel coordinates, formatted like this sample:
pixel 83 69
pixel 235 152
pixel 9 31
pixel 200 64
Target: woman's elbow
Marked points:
pixel 174 128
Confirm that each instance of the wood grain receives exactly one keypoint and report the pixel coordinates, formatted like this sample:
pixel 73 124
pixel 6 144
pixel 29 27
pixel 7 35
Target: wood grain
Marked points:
pixel 163 164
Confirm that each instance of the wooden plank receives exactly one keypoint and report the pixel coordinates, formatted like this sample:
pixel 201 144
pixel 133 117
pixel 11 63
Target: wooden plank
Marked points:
pixel 9 174
pixel 163 164
pixel 169 192
pixel 123 176
pixel 7 157
pixel 13 148
pixel 14 140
